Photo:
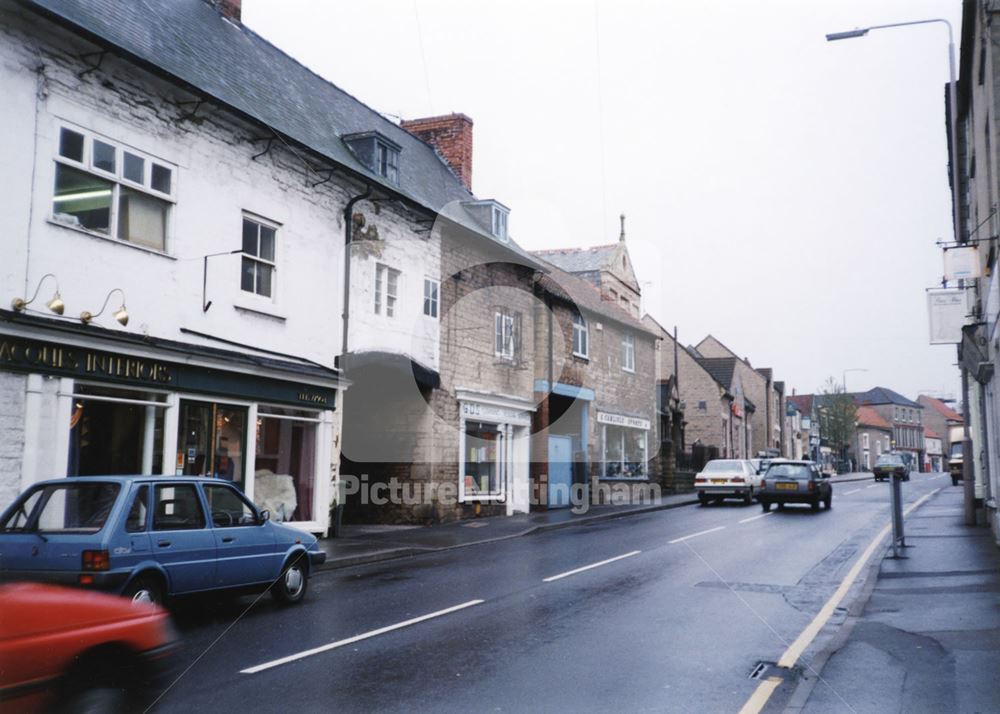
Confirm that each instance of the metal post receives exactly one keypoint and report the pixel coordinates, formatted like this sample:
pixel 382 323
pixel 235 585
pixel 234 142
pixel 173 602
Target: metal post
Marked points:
pixel 898 538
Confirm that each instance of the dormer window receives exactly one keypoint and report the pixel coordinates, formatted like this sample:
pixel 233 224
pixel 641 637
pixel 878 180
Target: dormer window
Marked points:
pixel 491 215
pixel 377 152
pixel 499 223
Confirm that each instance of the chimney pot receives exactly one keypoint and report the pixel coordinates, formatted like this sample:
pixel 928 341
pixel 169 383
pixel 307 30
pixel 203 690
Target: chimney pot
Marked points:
pixel 233 9
pixel 451 135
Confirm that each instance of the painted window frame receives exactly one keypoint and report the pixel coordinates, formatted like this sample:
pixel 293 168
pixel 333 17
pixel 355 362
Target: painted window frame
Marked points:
pixel 116 176
pixel 432 297
pixel 259 262
pixel 628 353
pixel 581 336
pixel 386 294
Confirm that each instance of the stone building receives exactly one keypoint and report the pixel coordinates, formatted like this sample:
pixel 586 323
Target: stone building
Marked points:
pixel 872 438
pixel 941 419
pixel 595 385
pixel 904 415
pixel 766 422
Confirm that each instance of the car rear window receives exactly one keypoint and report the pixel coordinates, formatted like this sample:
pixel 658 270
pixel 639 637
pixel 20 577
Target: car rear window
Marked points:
pixel 720 466
pixel 789 471
pixel 64 508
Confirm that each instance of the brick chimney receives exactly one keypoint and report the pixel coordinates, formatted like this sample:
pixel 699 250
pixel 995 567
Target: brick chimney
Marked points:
pixel 230 8
pixel 451 135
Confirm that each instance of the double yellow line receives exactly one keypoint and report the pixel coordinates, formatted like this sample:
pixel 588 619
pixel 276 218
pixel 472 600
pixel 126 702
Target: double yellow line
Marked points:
pixel 765 689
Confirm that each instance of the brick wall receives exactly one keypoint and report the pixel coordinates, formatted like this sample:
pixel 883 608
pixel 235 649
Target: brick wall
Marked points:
pixel 451 135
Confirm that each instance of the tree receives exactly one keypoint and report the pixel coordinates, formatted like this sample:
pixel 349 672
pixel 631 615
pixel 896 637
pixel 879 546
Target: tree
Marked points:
pixel 838 416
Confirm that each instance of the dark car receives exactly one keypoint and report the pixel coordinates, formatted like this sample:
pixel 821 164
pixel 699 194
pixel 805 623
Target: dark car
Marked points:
pixel 888 464
pixel 66 650
pixel 150 537
pixel 795 482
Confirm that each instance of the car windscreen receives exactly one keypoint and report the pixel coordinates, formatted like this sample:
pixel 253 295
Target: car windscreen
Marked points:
pixel 956 451
pixel 63 508
pixel 722 466
pixel 889 461
pixel 789 471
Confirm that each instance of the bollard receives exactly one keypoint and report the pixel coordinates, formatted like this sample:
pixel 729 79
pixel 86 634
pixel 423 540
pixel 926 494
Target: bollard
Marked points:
pixel 898 538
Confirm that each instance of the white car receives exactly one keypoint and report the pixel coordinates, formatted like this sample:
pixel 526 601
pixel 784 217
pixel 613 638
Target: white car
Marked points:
pixel 727 478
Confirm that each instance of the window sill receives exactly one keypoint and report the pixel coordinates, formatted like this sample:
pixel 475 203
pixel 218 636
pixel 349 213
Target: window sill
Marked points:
pixel 628 371
pixel 627 479
pixel 582 358
pixel 259 311
pixel 109 239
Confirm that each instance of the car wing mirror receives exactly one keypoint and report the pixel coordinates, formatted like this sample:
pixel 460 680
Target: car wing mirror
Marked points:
pixel 265 516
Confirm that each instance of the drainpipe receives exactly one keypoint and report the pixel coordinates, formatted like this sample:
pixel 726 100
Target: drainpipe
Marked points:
pixel 348 238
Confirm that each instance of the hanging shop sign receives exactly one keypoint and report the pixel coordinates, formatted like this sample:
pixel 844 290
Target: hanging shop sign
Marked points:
pixel 962 263
pixel 947 312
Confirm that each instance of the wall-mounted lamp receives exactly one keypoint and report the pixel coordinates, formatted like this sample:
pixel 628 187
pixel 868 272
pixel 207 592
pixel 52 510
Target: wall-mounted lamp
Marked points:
pixel 56 304
pixel 121 314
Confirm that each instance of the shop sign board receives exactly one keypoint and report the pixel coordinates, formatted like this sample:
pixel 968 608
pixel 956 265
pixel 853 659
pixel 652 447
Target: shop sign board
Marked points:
pixel 947 312
pixel 495 413
pixel 622 420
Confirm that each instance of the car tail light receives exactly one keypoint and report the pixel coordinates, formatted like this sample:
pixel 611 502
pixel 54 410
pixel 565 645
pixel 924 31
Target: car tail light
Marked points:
pixel 739 479
pixel 96 560
pixel 701 480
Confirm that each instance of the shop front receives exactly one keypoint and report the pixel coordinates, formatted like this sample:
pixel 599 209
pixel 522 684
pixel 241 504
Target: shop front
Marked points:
pixel 494 450
pixel 93 403
pixel 624 443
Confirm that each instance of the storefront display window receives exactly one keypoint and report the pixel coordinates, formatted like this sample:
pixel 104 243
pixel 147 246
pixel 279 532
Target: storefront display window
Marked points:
pixel 482 459
pixel 624 452
pixel 285 463
pixel 115 431
pixel 211 440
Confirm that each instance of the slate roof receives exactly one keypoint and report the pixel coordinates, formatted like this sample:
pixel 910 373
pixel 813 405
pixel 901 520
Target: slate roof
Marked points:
pixel 579 260
pixel 587 299
pixel 941 408
pixel 766 372
pixel 720 368
pixel 802 402
pixel 882 395
pixel 191 42
pixel 867 416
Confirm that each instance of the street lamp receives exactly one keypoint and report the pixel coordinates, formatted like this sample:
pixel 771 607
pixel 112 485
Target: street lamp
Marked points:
pixel 952 98
pixel 843 377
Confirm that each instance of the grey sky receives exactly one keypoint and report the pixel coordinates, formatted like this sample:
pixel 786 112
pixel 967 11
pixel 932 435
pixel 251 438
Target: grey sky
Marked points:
pixel 783 193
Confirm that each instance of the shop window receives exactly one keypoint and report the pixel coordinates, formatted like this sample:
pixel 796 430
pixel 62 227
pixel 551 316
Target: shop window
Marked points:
pixel 115 431
pixel 624 452
pixel 211 440
pixel 481 446
pixel 258 264
pixel 285 463
pixel 103 187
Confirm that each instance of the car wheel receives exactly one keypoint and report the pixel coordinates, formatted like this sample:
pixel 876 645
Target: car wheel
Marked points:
pixel 748 498
pixel 781 505
pixel 144 589
pixel 815 504
pixel 765 505
pixel 828 503
pixel 98 700
pixel 954 481
pixel 290 588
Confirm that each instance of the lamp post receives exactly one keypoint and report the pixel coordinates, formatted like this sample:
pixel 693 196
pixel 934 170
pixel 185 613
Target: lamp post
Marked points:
pixel 952 99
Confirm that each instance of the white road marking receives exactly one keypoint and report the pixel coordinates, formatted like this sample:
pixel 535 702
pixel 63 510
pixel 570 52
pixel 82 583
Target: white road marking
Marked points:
pixel 589 567
pixel 695 535
pixel 754 518
pixel 874 485
pixel 848 493
pixel 357 638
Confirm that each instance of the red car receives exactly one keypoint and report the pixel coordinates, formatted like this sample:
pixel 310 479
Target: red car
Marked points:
pixel 67 649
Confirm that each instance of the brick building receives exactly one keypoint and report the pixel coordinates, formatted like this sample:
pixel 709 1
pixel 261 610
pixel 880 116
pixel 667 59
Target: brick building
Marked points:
pixel 941 419
pixel 873 437
pixel 904 415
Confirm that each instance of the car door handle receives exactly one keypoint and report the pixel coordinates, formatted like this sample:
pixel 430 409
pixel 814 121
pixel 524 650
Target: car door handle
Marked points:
pixel 164 543
pixel 227 539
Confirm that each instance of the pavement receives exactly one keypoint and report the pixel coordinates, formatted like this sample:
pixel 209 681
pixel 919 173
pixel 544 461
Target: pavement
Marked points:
pixel 929 625
pixel 360 544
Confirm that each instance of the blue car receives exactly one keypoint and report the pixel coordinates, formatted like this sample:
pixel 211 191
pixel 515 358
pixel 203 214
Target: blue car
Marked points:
pixel 152 537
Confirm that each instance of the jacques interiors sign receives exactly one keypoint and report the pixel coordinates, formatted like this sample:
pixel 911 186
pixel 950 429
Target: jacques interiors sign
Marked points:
pixel 81 363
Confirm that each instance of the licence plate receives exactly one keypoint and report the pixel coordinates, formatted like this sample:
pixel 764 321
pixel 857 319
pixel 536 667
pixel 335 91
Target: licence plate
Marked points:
pixel 787 486
pixel 718 480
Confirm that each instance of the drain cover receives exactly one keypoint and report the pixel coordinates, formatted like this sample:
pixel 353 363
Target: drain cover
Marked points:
pixel 759 670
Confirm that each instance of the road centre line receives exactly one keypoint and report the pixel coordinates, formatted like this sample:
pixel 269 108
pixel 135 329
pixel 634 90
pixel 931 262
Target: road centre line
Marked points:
pixel 848 493
pixel 695 535
pixel 552 578
pixel 754 518
pixel 357 638
pixel 874 485
pixel 759 698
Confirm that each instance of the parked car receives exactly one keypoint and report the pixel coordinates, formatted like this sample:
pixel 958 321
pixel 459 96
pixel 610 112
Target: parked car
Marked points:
pixel 727 478
pixel 888 464
pixel 795 482
pixel 955 457
pixel 66 650
pixel 152 537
